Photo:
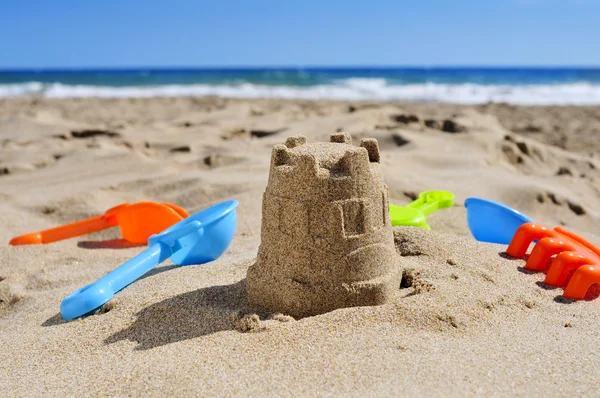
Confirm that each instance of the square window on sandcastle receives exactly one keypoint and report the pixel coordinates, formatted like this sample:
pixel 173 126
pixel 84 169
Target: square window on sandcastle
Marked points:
pixel 325 239
pixel 355 217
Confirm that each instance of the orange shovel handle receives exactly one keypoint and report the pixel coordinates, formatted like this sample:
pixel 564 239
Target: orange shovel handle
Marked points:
pixel 67 231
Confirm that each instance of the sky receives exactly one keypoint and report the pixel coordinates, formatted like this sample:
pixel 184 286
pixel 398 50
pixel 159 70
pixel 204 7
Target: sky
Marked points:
pixel 252 33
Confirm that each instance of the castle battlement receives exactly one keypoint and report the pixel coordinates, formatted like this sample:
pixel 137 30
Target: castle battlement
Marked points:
pixel 328 170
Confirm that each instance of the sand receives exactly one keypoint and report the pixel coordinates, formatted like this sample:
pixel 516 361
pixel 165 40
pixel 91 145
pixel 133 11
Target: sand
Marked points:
pixel 467 320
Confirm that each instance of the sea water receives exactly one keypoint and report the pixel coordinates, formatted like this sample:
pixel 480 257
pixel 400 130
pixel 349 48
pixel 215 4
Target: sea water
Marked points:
pixel 528 86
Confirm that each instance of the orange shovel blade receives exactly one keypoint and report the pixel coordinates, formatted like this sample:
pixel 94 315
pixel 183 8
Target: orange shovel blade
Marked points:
pixel 141 220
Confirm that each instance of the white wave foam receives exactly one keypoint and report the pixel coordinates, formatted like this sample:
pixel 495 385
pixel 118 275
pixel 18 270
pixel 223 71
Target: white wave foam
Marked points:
pixel 347 89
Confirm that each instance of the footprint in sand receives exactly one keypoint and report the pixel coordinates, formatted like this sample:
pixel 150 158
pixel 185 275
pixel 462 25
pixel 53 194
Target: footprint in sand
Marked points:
pixel 164 149
pixel 8 169
pixel 399 140
pixel 181 149
pixel 251 133
pixel 559 201
pixel 215 160
pixel 446 125
pixel 89 133
pixel 93 138
pixel 517 152
pixel 9 295
pixel 210 161
pixel 405 119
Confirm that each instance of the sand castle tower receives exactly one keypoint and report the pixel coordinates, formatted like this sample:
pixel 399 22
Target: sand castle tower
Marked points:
pixel 326 239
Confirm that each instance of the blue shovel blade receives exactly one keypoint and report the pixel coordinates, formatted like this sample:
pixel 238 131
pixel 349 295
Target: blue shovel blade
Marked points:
pixel 493 222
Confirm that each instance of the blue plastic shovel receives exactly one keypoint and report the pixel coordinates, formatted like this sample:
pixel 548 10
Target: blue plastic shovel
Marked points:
pixel 493 222
pixel 198 239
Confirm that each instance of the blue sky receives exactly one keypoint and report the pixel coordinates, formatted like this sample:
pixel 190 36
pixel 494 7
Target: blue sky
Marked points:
pixel 127 33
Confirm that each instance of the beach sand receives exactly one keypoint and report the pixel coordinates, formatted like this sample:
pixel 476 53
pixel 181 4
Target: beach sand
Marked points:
pixel 471 322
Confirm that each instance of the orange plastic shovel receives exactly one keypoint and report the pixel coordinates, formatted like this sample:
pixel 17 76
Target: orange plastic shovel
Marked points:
pixel 136 221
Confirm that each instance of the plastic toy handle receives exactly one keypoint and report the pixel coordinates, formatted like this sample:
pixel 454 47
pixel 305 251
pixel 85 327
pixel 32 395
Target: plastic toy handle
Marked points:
pixel 94 295
pixel 430 201
pixel 169 236
pixel 578 239
pixel 67 231
pixel 394 209
pixel 162 247
pixel 133 269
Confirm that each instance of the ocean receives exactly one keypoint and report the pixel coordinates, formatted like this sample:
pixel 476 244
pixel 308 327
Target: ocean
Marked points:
pixel 526 86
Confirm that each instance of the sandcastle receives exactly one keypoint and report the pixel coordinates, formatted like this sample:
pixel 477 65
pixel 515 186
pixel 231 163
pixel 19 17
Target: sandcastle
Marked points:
pixel 326 239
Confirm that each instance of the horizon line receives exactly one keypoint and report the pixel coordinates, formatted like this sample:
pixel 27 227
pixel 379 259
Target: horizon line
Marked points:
pixel 290 67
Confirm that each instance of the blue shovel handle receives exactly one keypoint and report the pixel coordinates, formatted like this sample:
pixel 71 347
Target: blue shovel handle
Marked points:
pixel 94 295
pixel 170 236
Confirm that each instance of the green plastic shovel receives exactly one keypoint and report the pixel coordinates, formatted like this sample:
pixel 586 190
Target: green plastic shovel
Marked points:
pixel 414 214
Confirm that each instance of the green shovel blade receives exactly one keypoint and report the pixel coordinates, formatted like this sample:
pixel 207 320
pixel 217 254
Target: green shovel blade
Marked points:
pixel 415 213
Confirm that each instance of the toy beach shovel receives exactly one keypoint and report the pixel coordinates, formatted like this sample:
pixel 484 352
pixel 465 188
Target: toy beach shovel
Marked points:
pixel 198 239
pixel 493 222
pixel 136 221
pixel 414 214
